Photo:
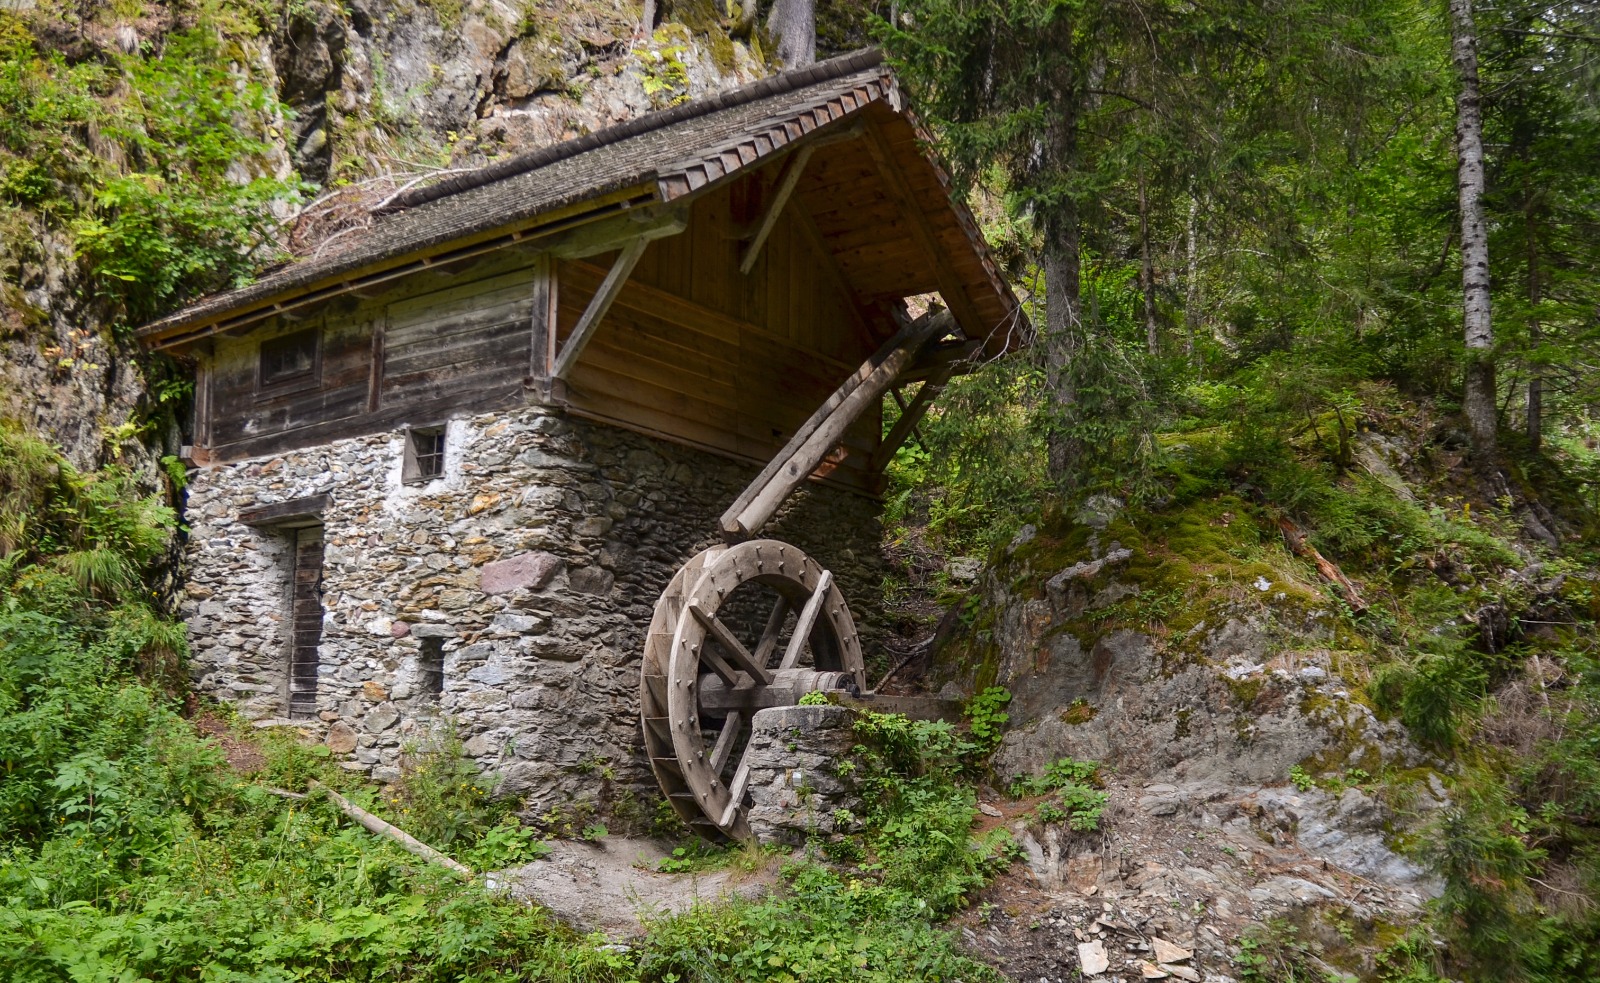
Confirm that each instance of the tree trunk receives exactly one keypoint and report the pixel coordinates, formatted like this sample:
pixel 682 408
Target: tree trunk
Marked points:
pixel 1479 401
pixel 795 24
pixel 1191 299
pixel 1147 274
pixel 1063 337
pixel 1535 408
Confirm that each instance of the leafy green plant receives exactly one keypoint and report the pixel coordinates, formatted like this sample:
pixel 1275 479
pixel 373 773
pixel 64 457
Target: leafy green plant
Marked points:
pixel 1301 779
pixel 986 717
pixel 1074 798
pixel 184 201
pixel 661 70
pixel 918 814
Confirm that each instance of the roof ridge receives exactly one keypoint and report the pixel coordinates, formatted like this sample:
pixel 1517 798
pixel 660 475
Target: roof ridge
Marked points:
pixel 772 85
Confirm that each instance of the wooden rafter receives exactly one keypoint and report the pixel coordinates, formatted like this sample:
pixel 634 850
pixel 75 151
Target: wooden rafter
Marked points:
pixel 598 305
pixel 950 286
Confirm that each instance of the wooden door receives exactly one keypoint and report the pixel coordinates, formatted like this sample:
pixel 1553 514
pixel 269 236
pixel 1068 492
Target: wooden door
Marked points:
pixel 305 621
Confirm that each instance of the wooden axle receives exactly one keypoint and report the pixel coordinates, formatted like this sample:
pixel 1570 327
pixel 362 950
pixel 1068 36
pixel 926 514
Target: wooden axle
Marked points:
pixel 718 699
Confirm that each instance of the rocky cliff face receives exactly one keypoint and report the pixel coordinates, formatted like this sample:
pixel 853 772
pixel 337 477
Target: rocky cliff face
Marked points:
pixel 376 95
pixel 1221 689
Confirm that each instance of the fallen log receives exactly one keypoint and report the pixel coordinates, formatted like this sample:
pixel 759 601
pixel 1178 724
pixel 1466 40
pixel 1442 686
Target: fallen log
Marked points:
pixel 1296 538
pixel 410 843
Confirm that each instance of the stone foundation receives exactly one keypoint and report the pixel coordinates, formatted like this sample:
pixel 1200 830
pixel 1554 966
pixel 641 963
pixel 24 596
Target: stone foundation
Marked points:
pixel 532 567
pixel 796 788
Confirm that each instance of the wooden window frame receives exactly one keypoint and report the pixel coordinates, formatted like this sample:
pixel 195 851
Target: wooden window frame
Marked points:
pixel 309 379
pixel 412 458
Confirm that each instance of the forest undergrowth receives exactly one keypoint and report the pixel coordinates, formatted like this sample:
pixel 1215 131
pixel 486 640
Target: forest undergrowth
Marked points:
pixel 141 840
pixel 1479 609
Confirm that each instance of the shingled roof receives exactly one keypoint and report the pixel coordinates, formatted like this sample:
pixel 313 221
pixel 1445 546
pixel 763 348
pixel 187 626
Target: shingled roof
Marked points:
pixel 656 158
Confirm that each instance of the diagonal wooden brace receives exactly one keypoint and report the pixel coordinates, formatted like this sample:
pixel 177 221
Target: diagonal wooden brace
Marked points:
pixel 757 504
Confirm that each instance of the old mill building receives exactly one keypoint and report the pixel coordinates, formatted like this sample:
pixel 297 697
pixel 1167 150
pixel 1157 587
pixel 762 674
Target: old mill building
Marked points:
pixel 444 472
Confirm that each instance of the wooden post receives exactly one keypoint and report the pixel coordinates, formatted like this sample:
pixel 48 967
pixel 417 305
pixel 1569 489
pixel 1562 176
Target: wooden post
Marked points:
pixel 542 344
pixel 380 327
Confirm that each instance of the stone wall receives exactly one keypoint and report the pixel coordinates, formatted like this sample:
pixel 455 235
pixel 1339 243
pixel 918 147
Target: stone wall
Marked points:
pixel 797 789
pixel 536 562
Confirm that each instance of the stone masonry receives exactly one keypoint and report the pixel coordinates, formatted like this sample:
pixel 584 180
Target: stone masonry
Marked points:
pixel 797 789
pixel 534 563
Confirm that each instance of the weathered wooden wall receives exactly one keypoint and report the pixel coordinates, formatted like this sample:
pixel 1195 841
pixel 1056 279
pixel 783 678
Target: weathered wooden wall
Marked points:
pixel 692 350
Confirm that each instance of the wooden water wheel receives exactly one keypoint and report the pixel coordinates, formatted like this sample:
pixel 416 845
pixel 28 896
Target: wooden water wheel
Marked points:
pixel 701 683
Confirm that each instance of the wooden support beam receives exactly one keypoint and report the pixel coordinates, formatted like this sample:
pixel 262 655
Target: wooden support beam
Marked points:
pixel 827 426
pixel 951 357
pixel 649 223
pixel 909 417
pixel 304 511
pixel 598 305
pixel 787 179
pixel 950 286
pixel 546 300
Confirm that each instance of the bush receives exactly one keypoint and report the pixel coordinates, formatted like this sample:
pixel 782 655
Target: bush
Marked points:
pixel 178 203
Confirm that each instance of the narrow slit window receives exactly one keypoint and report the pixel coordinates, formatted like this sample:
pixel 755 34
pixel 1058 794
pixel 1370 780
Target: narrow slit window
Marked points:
pixel 289 360
pixel 305 623
pixel 430 667
pixel 424 455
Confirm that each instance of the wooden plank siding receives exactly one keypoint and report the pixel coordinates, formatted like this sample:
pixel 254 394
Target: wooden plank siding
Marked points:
pixel 691 350
pixel 458 341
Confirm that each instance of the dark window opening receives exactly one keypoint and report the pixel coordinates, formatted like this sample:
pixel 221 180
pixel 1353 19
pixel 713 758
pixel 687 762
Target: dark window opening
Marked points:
pixel 424 455
pixel 289 359
pixel 430 665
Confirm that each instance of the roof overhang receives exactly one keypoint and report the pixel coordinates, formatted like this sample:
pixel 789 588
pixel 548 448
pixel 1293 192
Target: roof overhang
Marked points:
pixel 630 176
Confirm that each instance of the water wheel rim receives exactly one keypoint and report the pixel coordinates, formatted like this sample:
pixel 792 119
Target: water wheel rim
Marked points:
pixel 693 786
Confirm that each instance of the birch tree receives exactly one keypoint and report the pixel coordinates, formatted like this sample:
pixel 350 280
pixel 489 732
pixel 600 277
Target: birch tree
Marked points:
pixel 1479 398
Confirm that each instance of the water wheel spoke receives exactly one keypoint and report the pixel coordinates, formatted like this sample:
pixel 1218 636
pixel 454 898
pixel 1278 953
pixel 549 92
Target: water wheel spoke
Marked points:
pixel 719 665
pixel 770 634
pixel 741 779
pixel 806 621
pixel 725 742
pixel 730 643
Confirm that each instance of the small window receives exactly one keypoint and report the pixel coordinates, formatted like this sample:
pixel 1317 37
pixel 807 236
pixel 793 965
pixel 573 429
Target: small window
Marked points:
pixel 289 359
pixel 424 455
pixel 430 667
